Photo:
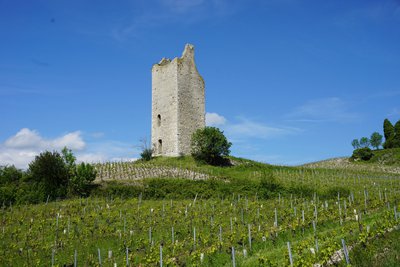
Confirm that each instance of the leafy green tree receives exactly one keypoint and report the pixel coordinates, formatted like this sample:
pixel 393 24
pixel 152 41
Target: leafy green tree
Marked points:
pixel 49 170
pixel 396 138
pixel 10 174
pixel 69 159
pixel 10 178
pixel 210 145
pixel 364 142
pixel 83 177
pixel 376 140
pixel 388 132
pixel 80 176
pixel 364 153
pixel 355 143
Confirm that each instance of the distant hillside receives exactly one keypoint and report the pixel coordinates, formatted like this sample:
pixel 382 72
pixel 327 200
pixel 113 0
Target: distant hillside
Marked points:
pixel 387 160
pixel 389 157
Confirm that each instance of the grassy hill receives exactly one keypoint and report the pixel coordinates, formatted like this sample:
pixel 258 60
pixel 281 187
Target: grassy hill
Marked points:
pixel 389 157
pixel 385 160
pixel 201 215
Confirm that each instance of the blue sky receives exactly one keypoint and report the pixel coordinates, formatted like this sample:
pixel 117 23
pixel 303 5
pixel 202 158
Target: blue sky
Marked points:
pixel 289 81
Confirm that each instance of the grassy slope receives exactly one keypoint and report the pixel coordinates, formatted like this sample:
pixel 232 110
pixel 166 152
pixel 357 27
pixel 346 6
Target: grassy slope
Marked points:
pixel 389 157
pixel 245 177
pixel 382 250
pixel 387 161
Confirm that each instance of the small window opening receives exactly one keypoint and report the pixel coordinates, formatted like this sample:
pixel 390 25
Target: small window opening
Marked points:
pixel 159 146
pixel 159 120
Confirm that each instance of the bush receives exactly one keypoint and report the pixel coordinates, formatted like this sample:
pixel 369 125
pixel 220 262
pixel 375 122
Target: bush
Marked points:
pixel 50 170
pixel 147 154
pixel 364 153
pixel 82 179
pixel 210 145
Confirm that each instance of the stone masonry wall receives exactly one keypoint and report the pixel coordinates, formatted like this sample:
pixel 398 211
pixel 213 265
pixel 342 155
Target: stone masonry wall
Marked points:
pixel 177 104
pixel 191 107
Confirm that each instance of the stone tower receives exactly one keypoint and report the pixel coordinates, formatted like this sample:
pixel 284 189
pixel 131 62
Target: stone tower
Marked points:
pixel 178 105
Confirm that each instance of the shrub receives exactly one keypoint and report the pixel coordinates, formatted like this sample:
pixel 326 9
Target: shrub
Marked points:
pixel 146 154
pixel 82 179
pixel 364 153
pixel 50 170
pixel 210 145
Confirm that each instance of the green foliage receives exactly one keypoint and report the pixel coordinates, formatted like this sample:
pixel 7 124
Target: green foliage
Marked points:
pixel 210 145
pixel 146 154
pixel 9 174
pixel 268 185
pixel 50 175
pixel 50 170
pixel 84 175
pixel 364 153
pixel 396 138
pixel 388 129
pixel 376 140
pixel 388 132
pixel 383 250
pixel 355 143
pixel 364 142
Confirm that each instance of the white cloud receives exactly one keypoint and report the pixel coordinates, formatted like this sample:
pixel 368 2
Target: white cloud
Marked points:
pixel 71 140
pixel 214 119
pixel 30 139
pixel 323 110
pixel 25 138
pixel 21 148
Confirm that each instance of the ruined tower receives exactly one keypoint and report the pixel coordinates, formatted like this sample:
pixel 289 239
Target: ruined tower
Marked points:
pixel 178 105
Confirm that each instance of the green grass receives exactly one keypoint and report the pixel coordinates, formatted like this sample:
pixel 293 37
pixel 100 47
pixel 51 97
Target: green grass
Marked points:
pixel 120 214
pixel 386 157
pixel 380 251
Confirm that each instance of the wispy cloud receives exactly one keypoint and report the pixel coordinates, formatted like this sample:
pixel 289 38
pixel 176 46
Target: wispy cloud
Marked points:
pixel 182 6
pixel 331 109
pixel 21 148
pixel 374 11
pixel 164 13
pixel 244 128
pixel 395 112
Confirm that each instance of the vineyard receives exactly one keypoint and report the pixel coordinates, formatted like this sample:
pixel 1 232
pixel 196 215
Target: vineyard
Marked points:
pixel 316 217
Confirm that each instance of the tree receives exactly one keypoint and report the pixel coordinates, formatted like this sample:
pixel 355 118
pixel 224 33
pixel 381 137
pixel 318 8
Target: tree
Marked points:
pixel 396 137
pixel 388 132
pixel 50 170
pixel 355 144
pixel 364 153
pixel 84 175
pixel 376 140
pixel 210 145
pixel 69 158
pixel 80 176
pixel 364 142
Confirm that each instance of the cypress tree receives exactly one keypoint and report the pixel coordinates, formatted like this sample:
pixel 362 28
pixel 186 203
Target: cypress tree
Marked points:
pixel 396 138
pixel 388 132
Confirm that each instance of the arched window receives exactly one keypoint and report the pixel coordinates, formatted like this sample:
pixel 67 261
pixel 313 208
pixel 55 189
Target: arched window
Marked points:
pixel 159 146
pixel 158 120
